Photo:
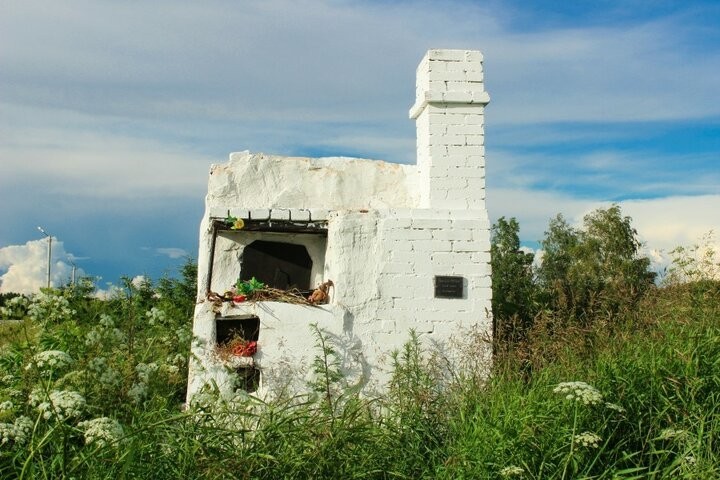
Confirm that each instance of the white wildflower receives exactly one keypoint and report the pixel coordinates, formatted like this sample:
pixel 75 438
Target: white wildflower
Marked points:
pixel 15 307
pixel 117 335
pixel 155 316
pixel 7 379
pixel 50 307
pixel 144 370
pixel 102 431
pixel 614 406
pixel 51 360
pixel 669 433
pixel 107 375
pixel 18 432
pixel 137 392
pixel 184 335
pixel 6 406
pixel 511 471
pixel 177 359
pixel 61 403
pixel 93 338
pixel 106 321
pixel 587 439
pixel 579 392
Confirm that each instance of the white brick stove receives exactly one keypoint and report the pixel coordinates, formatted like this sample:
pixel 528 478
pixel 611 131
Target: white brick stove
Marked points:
pixel 407 246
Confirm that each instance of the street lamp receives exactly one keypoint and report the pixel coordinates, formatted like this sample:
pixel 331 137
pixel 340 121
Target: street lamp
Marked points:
pixel 49 254
pixel 74 268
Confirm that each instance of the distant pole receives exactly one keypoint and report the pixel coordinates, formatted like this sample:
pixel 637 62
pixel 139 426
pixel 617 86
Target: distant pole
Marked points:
pixel 49 260
pixel 74 267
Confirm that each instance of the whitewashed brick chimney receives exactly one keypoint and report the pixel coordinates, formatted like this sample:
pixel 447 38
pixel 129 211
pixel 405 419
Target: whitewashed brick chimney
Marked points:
pixel 449 116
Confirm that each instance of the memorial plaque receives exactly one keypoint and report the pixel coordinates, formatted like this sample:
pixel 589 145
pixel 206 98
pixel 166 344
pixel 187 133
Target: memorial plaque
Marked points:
pixel 449 287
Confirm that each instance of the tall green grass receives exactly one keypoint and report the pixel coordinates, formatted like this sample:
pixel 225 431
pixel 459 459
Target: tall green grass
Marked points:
pixel 648 407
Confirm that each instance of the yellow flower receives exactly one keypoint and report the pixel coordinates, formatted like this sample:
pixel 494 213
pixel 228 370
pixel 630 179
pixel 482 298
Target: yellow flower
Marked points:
pixel 238 224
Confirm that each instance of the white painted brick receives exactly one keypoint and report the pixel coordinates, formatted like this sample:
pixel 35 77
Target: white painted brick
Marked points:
pixel 239 212
pixel 464 97
pixel 438 86
pixel 452 234
pixel 475 76
pixel 426 247
pixel 449 258
pixel 448 55
pixel 474 139
pixel 466 150
pixel 476 88
pixel 431 222
pixel 447 139
pixel 436 66
pixel 412 234
pixel 403 256
pixel 464 129
pixel 444 75
pixel 317 214
pixel 480 97
pixel 438 129
pixel 470 268
pixel 474 56
pixel 466 110
pixel 481 257
pixel 279 214
pixel 397 267
pixel 474 119
pixel 218 212
pixel 300 215
pixel 398 245
pixel 395 223
pixel 469 224
pixel 476 183
pixel 449 182
pixel 468 172
pixel 468 245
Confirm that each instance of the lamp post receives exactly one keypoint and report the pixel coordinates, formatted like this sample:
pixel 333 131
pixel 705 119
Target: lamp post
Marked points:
pixel 74 268
pixel 49 254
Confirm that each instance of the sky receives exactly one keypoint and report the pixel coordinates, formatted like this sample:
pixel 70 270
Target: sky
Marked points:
pixel 111 113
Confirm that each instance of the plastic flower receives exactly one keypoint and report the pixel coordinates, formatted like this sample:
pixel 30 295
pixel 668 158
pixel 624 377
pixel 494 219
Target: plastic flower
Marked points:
pixel 579 392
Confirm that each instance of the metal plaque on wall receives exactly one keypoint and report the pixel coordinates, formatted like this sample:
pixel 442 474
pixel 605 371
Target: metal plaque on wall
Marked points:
pixel 449 287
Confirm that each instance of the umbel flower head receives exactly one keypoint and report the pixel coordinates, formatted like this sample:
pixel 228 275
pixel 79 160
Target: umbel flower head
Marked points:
pixel 579 392
pixel 102 431
pixel 587 439
pixel 61 403
pixel 511 471
pixel 50 360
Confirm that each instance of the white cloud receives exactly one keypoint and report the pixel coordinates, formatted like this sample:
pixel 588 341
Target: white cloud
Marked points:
pixel 24 267
pixel 172 252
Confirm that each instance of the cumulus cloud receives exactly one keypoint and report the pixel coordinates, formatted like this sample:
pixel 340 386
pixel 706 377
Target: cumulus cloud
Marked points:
pixel 24 267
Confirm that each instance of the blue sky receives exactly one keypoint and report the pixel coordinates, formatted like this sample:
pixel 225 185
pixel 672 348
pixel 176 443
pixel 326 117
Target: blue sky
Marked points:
pixel 112 112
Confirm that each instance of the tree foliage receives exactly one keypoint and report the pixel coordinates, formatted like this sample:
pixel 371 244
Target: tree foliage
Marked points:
pixel 513 289
pixel 595 270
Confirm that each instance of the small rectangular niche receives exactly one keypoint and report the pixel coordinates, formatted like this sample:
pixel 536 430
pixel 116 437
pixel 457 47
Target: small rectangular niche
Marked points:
pixel 246 327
